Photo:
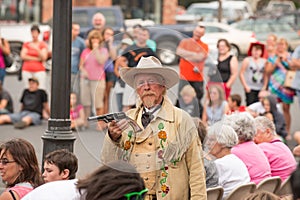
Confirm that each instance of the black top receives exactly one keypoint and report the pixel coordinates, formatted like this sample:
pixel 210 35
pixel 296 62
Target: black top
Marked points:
pixel 33 101
pixel 5 95
pixel 134 53
pixel 224 71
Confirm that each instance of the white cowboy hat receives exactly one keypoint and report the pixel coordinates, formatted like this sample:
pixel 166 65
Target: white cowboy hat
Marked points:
pixel 150 65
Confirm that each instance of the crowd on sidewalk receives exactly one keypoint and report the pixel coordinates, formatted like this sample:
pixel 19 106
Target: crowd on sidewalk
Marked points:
pixel 242 143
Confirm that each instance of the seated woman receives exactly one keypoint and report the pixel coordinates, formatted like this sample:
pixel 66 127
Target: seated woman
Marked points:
pixel 19 169
pixel 216 106
pixel 232 171
pixel 254 158
pixel 6 103
pixel 274 115
pixel 76 112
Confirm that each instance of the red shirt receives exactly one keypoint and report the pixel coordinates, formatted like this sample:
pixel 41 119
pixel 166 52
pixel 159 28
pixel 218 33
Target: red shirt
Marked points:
pixel 32 65
pixel 186 67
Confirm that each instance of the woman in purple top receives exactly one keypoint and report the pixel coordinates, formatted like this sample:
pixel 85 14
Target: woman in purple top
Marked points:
pixel 4 50
pixel 253 157
pixel 280 157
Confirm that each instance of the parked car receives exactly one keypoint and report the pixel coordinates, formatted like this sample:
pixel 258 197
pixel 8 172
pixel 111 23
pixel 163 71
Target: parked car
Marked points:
pixel 263 27
pixel 275 6
pixel 113 15
pixel 293 18
pixel 171 35
pixel 232 11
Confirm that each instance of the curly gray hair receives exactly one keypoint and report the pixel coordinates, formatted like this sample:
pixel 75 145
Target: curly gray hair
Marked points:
pixel 263 123
pixel 223 134
pixel 243 124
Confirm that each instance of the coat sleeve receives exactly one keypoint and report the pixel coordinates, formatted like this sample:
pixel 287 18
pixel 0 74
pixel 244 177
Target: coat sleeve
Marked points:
pixel 194 160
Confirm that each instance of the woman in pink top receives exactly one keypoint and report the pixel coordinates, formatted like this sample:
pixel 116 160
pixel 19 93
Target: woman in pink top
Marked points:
pixel 19 169
pixel 253 157
pixel 92 74
pixel 280 157
pixel 34 53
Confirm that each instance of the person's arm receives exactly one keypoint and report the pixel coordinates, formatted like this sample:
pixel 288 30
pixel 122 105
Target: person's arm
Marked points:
pixel 4 46
pixel 3 103
pixel 234 64
pixel 120 62
pixel 296 150
pixel 6 195
pixel 244 67
pixel 100 55
pixel 190 55
pixel 46 108
pixel 226 109
pixel 204 115
pixel 112 49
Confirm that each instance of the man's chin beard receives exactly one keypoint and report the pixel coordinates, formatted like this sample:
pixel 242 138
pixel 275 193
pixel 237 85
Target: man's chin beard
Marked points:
pixel 149 101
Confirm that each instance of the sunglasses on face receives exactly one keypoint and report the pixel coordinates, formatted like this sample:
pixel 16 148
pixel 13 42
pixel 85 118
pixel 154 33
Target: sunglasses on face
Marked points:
pixel 136 195
pixel 6 161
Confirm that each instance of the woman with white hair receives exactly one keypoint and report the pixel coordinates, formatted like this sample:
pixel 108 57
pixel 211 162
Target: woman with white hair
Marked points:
pixel 232 171
pixel 254 158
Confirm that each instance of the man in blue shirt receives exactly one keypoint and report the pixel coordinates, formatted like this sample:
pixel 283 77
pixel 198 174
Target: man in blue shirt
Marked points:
pixel 78 45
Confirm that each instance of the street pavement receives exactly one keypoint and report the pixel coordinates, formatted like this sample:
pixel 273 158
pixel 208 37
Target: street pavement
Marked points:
pixel 88 144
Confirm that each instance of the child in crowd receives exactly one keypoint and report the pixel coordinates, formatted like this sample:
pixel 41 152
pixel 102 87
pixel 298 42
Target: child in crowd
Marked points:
pixel 60 165
pixel 216 105
pixel 188 101
pixel 252 72
pixel 234 103
pixel 77 115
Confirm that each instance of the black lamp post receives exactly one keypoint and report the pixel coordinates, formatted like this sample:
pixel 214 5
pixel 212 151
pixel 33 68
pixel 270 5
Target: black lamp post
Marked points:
pixel 59 134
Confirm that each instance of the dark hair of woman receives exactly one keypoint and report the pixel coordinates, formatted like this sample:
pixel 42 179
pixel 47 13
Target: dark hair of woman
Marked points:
pixel 23 154
pixel 111 182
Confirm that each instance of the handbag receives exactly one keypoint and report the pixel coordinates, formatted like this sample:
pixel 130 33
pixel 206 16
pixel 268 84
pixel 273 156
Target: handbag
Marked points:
pixel 8 59
pixel 292 79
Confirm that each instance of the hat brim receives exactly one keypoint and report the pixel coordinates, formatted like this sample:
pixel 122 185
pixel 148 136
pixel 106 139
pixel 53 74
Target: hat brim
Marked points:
pixel 251 47
pixel 170 76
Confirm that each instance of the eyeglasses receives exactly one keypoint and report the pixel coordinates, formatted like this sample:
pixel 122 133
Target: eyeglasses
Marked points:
pixel 5 161
pixel 136 195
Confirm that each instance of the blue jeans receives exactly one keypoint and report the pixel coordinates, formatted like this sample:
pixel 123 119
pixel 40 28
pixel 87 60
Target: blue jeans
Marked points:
pixel 2 75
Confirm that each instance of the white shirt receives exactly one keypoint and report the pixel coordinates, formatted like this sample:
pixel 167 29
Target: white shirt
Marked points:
pixel 232 173
pixel 58 190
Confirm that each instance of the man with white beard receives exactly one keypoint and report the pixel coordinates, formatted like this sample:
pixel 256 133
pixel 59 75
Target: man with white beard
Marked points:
pixel 167 152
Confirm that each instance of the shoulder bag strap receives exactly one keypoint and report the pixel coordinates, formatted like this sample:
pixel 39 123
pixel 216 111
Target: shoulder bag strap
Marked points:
pixel 12 194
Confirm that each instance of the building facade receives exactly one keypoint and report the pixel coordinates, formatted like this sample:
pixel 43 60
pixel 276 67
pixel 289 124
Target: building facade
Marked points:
pixel 160 11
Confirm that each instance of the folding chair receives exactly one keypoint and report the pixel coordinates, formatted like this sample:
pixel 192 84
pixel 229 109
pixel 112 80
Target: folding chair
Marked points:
pixel 241 191
pixel 271 184
pixel 285 188
pixel 215 193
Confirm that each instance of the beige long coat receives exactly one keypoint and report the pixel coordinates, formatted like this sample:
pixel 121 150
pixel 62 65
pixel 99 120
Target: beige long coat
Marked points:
pixel 185 178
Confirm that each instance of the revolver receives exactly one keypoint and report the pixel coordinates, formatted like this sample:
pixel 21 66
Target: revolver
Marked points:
pixel 109 117
pixel 116 116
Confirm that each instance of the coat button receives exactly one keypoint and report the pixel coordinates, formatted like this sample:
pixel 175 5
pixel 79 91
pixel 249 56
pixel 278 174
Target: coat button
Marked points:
pixel 136 155
pixel 149 155
pixel 146 179
pixel 150 143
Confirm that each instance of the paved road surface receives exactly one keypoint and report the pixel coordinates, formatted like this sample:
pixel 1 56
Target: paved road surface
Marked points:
pixel 88 143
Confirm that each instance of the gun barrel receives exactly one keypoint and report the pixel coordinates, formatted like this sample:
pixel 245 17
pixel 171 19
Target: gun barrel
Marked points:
pixel 96 118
